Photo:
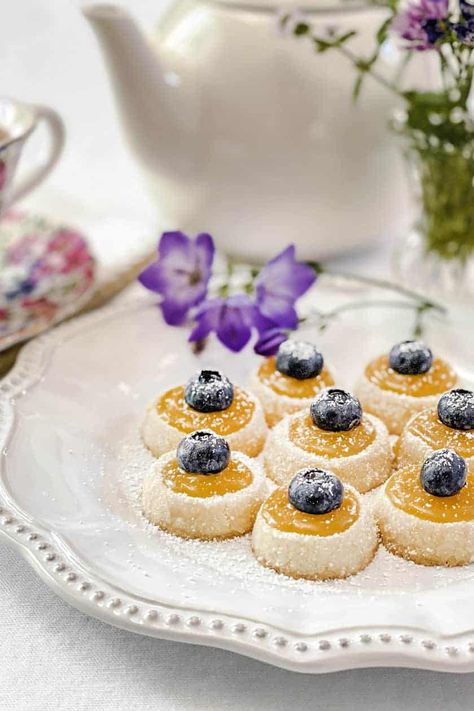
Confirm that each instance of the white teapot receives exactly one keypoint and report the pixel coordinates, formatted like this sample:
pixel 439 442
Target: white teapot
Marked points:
pixel 248 135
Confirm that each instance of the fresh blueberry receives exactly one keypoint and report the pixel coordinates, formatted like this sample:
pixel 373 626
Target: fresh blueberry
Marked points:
pixel 456 409
pixel 411 358
pixel 336 410
pixel 209 391
pixel 443 473
pixel 203 452
pixel 315 491
pixel 299 359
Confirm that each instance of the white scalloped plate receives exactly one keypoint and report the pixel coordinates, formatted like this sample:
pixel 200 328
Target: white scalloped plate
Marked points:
pixel 70 478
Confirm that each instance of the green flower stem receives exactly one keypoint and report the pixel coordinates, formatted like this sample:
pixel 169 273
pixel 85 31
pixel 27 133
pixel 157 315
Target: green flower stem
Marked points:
pixel 364 304
pixel 447 220
pixel 447 65
pixel 325 317
pixel 224 289
pixel 357 63
pixel 438 129
pixel 419 299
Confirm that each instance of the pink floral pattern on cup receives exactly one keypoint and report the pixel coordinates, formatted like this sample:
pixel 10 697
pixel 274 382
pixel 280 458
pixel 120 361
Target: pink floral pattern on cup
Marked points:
pixel 45 271
pixel 3 173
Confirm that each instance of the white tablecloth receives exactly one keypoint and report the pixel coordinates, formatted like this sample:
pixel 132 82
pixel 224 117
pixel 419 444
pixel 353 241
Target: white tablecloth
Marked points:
pixel 52 657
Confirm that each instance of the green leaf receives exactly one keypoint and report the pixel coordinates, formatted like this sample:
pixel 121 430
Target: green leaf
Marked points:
pixel 357 87
pixel 421 106
pixel 301 29
pixel 382 32
pixel 316 266
pixel 344 38
pixel 363 65
pixel 321 45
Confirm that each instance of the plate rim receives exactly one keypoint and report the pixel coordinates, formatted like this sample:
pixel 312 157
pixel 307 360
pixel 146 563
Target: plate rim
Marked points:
pixel 339 649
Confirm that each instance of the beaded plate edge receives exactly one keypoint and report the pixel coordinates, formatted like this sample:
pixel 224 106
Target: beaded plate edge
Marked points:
pixel 355 647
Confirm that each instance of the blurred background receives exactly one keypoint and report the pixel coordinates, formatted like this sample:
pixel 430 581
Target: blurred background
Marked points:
pixel 50 55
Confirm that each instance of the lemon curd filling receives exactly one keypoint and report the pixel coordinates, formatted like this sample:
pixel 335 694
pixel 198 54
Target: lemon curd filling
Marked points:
pixel 437 380
pixel 306 435
pixel 234 477
pixel 405 491
pixel 292 387
pixel 173 408
pixel 279 513
pixel 429 428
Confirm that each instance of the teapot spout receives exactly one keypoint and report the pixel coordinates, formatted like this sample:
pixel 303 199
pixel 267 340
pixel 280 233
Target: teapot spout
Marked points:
pixel 137 77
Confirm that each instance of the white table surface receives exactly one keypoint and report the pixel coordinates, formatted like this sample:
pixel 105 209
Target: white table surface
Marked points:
pixel 52 657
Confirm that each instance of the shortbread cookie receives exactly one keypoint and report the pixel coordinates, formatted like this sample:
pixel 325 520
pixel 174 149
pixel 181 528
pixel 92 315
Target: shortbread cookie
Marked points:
pixel 317 528
pixel 360 455
pixel 428 517
pixel 219 499
pixel 449 425
pixel 289 382
pixel 208 401
pixel 407 381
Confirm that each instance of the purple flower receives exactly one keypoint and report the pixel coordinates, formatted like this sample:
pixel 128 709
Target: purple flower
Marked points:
pixel 467 9
pixel 280 283
pixel 465 30
pixel 423 23
pixel 231 319
pixel 269 341
pixel 180 274
pixel 465 33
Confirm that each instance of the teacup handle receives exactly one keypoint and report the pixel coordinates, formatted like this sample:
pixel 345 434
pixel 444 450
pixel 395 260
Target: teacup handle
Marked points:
pixel 36 175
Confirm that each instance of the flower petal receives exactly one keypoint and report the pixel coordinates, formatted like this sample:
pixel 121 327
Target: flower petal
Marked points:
pixel 232 320
pixel 467 9
pixel 177 256
pixel 210 309
pixel 205 250
pixel 233 332
pixel 245 305
pixel 285 276
pixel 422 23
pixel 207 318
pixel 151 277
pixel 269 341
pixel 180 274
pixel 172 243
pixel 279 310
pixel 174 312
pixel 280 283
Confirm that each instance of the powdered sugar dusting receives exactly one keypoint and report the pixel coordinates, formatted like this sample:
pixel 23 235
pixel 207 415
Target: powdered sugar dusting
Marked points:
pixel 232 559
pixel 85 485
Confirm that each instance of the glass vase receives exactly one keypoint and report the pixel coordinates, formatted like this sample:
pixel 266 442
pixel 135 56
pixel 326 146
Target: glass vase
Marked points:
pixel 437 256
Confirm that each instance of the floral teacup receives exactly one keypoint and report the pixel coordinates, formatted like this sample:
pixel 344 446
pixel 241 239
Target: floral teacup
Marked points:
pixel 46 274
pixel 17 122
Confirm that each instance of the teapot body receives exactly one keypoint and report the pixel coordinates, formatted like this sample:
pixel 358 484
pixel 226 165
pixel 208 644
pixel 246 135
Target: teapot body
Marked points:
pixel 267 146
